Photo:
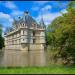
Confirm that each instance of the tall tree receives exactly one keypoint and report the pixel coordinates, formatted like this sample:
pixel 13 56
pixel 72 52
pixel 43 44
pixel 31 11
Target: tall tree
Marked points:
pixel 1 38
pixel 64 35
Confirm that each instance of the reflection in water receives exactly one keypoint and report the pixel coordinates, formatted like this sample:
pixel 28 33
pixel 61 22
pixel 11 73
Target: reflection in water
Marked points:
pixel 37 58
pixel 23 58
pixel 1 57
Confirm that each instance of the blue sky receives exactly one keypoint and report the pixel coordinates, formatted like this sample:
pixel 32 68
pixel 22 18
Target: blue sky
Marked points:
pixel 13 9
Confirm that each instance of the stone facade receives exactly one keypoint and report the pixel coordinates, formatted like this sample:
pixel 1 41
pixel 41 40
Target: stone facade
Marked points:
pixel 26 34
pixel 25 43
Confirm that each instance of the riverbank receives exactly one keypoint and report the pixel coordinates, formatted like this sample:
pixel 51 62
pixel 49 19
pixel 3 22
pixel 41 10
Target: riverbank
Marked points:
pixel 38 70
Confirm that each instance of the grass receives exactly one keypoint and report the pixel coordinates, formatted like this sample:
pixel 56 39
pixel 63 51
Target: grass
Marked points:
pixel 39 70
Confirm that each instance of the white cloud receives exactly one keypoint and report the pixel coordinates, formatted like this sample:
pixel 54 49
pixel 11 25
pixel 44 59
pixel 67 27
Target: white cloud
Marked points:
pixel 64 11
pixel 16 13
pixel 3 30
pixel 40 3
pixel 37 5
pixel 10 19
pixel 5 19
pixel 10 5
pixel 35 8
pixel 48 17
pixel 2 15
pixel 46 8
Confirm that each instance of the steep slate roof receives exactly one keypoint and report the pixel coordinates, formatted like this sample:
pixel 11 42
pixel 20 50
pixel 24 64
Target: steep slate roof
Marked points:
pixel 27 19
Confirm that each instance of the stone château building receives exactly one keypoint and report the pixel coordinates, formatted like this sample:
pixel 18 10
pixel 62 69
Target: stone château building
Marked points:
pixel 25 43
pixel 26 34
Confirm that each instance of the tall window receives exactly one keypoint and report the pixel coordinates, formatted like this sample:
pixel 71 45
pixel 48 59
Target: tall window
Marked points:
pixel 33 33
pixel 33 41
pixel 23 31
pixel 33 37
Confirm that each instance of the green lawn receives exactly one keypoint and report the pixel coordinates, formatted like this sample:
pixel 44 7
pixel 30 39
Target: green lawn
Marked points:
pixel 38 70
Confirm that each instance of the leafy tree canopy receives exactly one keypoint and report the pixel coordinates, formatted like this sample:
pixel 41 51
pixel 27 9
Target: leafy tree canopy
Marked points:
pixel 62 35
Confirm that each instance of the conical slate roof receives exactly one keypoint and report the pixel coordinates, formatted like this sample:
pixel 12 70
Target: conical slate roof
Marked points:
pixel 42 22
pixel 27 19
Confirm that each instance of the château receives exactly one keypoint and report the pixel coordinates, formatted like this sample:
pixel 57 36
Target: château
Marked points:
pixel 26 34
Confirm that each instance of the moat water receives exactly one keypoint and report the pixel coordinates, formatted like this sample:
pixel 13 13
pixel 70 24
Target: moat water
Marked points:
pixel 23 58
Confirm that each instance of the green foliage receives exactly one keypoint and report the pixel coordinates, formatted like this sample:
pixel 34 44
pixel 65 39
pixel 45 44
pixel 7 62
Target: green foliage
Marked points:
pixel 53 69
pixel 1 38
pixel 1 42
pixel 62 37
pixel 0 29
pixel 71 4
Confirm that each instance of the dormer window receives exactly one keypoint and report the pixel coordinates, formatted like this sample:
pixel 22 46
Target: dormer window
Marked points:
pixel 33 25
pixel 23 24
